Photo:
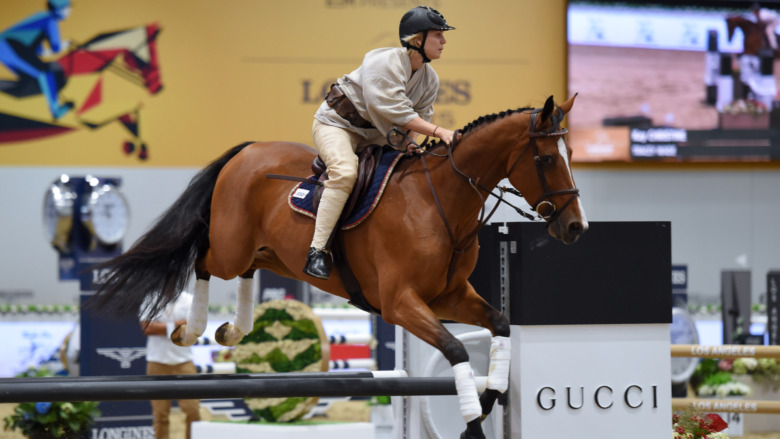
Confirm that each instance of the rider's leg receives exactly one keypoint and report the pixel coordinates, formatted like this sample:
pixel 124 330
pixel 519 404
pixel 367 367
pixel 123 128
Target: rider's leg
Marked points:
pixel 50 91
pixel 337 147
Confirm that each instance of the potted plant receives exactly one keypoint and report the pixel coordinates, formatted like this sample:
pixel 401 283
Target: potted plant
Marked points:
pixel 45 420
pixel 691 425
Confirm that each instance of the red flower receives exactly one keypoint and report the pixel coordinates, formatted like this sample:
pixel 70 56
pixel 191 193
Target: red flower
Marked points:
pixel 716 423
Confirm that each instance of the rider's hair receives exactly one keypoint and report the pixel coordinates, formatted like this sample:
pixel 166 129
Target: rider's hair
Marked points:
pixel 410 38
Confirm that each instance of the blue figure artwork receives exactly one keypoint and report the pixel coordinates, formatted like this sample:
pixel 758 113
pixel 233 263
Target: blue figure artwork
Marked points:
pixel 21 46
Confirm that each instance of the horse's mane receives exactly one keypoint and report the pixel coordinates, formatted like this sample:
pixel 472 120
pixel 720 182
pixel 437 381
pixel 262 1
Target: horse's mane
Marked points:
pixel 490 118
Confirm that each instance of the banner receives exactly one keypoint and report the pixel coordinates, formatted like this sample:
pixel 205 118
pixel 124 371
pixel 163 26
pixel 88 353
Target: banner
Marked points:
pixel 169 83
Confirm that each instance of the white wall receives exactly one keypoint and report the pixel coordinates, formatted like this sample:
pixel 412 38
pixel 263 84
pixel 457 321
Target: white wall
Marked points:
pixel 716 216
pixel 28 264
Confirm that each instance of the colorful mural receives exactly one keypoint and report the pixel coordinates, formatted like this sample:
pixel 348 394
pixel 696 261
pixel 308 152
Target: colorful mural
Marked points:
pixel 236 71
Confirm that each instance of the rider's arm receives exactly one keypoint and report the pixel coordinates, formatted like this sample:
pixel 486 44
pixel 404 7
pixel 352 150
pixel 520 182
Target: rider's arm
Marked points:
pixel 419 125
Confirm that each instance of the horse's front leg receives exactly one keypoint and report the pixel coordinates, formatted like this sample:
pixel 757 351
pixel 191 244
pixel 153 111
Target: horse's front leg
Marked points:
pixel 466 306
pixel 230 334
pixel 414 315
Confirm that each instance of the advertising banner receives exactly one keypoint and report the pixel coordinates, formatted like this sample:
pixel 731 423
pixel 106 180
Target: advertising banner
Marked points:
pixel 166 83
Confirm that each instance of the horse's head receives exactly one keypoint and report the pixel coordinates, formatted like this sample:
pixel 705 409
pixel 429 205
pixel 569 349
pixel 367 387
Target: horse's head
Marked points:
pixel 143 58
pixel 541 171
pixel 136 47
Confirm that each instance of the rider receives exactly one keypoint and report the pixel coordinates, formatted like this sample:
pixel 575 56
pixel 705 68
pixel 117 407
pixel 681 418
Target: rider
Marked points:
pixel 769 21
pixel 22 44
pixel 393 87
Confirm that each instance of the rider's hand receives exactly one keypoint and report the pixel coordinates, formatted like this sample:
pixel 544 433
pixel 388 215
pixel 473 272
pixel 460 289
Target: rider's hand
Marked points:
pixel 412 149
pixel 446 135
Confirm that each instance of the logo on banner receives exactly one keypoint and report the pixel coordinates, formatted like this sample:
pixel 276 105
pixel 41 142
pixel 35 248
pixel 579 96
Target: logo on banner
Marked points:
pixel 123 432
pixel 602 397
pixel 125 356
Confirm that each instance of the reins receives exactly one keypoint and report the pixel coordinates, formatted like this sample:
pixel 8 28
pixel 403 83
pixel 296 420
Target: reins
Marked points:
pixel 468 241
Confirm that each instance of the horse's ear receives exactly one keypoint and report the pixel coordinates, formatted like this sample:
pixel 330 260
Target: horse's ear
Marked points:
pixel 566 106
pixel 549 106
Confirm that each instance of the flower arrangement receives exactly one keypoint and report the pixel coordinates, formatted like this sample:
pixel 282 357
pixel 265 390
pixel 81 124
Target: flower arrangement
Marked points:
pixel 715 378
pixel 746 106
pixel 690 425
pixel 51 419
pixel 764 371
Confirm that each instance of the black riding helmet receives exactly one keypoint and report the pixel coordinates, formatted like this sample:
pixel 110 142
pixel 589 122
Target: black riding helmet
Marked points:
pixel 421 19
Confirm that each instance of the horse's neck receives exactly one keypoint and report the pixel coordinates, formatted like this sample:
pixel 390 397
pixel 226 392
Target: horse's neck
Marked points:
pixel 482 156
pixel 484 152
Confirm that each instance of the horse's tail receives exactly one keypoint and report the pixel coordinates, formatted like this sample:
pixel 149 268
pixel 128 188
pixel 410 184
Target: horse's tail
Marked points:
pixel 158 267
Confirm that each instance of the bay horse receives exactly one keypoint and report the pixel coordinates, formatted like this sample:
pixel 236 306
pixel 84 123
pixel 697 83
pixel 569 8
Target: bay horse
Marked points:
pixel 755 39
pixel 412 256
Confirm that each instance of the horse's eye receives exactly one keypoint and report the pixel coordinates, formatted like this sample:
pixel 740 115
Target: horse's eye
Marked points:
pixel 548 159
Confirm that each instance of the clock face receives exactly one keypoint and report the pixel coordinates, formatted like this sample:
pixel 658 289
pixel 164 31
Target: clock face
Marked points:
pixel 50 215
pixel 58 214
pixel 683 331
pixel 108 214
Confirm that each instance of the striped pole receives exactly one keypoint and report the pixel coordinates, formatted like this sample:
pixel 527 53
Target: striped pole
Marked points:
pixel 728 405
pixel 725 351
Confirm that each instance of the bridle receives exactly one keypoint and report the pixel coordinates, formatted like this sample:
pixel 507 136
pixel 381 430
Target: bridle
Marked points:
pixel 539 162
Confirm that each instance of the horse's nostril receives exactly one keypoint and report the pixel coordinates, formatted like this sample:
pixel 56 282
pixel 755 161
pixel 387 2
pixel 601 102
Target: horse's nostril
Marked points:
pixel 575 228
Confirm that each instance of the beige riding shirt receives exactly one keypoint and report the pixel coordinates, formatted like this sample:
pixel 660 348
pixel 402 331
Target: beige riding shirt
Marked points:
pixel 385 92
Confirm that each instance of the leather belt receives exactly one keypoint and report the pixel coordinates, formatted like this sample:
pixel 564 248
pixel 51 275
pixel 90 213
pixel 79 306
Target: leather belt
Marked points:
pixel 338 101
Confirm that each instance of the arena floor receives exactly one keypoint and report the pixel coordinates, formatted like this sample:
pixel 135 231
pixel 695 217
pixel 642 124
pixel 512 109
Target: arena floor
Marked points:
pixel 665 85
pixel 349 412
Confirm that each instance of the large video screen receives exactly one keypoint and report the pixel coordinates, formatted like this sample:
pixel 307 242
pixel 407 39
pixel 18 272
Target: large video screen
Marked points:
pixel 675 80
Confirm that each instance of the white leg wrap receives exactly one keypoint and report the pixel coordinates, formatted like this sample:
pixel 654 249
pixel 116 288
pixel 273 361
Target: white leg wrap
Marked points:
pixel 244 305
pixel 198 316
pixel 500 354
pixel 467 391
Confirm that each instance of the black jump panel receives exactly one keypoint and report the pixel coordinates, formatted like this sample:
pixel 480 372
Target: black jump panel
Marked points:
pixel 616 273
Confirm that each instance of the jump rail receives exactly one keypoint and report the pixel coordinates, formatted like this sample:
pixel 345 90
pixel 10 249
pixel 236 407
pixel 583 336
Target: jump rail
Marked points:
pixel 333 339
pixel 725 351
pixel 350 363
pixel 145 387
pixel 728 405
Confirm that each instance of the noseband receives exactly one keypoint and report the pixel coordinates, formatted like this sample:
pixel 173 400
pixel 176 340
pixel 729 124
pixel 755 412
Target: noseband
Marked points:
pixel 547 194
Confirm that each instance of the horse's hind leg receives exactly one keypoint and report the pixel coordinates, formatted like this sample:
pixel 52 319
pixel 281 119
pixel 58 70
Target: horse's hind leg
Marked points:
pixel 187 333
pixel 472 309
pixel 230 334
pixel 411 313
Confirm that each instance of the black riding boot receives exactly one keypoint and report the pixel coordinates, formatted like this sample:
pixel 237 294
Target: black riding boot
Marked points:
pixel 318 263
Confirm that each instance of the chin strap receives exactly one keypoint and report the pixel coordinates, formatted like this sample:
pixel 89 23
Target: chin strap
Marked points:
pixel 420 49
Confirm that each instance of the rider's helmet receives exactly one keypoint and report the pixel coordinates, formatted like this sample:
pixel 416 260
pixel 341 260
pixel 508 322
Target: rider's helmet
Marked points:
pixel 421 19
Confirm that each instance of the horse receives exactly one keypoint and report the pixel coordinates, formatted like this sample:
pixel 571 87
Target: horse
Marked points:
pixel 755 39
pixel 412 256
pixel 80 73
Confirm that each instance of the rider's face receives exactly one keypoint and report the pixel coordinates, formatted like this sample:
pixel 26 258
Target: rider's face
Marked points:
pixel 434 44
pixel 63 13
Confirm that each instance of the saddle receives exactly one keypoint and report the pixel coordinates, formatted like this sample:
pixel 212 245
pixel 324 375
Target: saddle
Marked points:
pixel 368 161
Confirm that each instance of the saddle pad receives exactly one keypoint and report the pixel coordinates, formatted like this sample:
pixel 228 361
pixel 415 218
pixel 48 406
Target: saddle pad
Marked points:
pixel 300 198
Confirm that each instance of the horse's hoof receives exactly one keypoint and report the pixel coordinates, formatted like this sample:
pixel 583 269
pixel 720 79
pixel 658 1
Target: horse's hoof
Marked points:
pixel 473 430
pixel 228 335
pixel 487 401
pixel 179 336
